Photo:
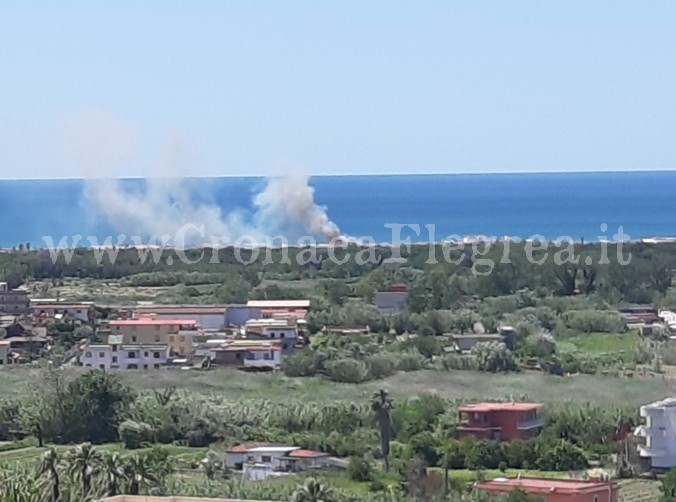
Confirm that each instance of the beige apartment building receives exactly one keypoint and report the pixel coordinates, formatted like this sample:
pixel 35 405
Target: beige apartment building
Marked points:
pixel 177 334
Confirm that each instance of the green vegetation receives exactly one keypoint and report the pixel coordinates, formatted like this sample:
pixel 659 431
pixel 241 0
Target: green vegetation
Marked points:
pixel 160 442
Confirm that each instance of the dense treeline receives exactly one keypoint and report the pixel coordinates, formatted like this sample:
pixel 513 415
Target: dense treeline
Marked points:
pixel 436 283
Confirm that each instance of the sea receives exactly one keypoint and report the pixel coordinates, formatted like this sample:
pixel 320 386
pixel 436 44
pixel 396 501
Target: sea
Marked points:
pixel 587 206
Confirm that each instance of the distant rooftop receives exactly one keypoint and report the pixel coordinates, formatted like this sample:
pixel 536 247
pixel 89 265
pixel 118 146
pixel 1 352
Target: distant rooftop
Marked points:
pixel 499 407
pixel 543 485
pixel 149 321
pixel 279 304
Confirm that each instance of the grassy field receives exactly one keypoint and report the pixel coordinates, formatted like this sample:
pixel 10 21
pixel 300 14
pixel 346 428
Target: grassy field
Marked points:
pixel 604 342
pixel 453 385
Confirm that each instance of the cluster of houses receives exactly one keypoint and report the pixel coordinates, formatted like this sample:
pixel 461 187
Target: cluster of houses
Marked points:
pixel 254 336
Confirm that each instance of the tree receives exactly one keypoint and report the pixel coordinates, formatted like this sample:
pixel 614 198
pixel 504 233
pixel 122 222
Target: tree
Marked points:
pixel 113 468
pixel 82 463
pixel 359 469
pixel 212 464
pixel 140 473
pixel 449 451
pixel 494 357
pixel 382 406
pixel 463 321
pixel 49 465
pixel 312 491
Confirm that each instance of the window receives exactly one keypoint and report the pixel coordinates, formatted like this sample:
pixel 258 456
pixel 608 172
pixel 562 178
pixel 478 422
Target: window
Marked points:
pixel 133 338
pixel 171 338
pixel 596 498
pixel 131 354
pixel 238 355
pixel 266 459
pixel 285 346
pixel 102 366
pixel 132 367
pixel 267 356
pixel 282 335
pixel 145 354
pixel 156 366
pixel 145 366
pixel 114 348
pixel 102 354
pixel 181 338
pixel 272 334
pixel 88 354
pixel 156 355
pixel 157 338
pixel 114 359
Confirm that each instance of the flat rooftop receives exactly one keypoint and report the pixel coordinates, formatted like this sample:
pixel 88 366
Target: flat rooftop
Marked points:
pixel 543 485
pixel 499 407
pixel 272 304
pixel 153 322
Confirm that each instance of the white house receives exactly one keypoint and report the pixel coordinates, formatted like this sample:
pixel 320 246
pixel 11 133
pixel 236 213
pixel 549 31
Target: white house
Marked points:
pixel 263 357
pixel 125 357
pixel 83 311
pixel 284 330
pixel 659 433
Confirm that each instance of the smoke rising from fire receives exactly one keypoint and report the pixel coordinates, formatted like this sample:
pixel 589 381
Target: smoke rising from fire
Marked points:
pixel 100 143
pixel 165 205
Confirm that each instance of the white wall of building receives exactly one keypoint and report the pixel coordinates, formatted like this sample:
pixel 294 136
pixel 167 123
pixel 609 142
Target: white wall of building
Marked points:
pixel 125 357
pixel 263 359
pixel 659 433
pixel 208 322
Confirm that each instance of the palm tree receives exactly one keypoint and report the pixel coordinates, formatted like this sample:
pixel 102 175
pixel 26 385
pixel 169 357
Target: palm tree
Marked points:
pixel 113 467
pixel 82 462
pixel 382 405
pixel 49 464
pixel 139 472
pixel 312 491
pixel 447 450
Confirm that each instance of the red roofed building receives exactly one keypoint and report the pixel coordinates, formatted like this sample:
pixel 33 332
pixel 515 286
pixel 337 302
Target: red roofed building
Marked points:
pixel 554 490
pixel 501 421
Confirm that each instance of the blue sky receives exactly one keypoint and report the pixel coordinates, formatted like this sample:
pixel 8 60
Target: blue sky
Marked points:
pixel 349 87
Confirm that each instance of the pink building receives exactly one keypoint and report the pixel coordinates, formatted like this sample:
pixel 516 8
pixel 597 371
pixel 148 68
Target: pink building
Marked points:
pixel 501 421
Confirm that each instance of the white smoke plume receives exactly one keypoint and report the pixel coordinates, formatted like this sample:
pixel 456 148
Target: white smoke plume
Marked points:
pixel 101 144
pixel 166 205
pixel 289 199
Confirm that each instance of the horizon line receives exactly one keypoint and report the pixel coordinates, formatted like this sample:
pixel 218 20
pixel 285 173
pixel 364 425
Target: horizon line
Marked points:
pixel 352 175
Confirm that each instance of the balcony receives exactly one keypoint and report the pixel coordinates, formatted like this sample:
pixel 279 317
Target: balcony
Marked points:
pixel 653 432
pixel 651 451
pixel 535 423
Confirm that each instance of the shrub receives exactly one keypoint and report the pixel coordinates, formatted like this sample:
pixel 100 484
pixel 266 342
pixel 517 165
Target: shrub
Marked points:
pixel 494 357
pixel 347 371
pixel 411 360
pixel 594 321
pixel 134 434
pixel 359 470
